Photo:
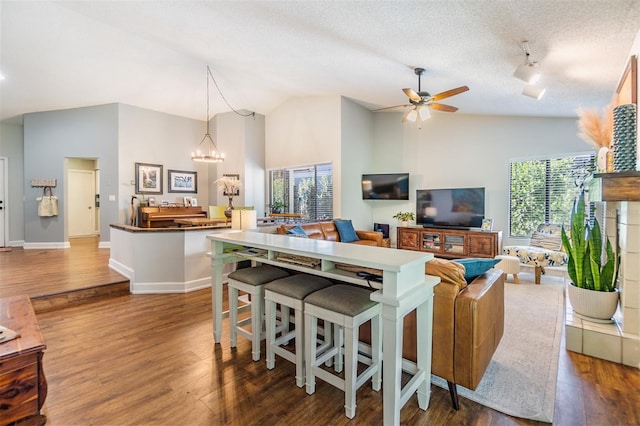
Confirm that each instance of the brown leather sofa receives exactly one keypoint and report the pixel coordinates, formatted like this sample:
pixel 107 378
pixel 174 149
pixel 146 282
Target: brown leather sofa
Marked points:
pixel 468 323
pixel 327 231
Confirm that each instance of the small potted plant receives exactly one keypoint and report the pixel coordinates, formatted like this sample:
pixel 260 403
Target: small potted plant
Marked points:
pixel 592 267
pixel 404 217
pixel 277 207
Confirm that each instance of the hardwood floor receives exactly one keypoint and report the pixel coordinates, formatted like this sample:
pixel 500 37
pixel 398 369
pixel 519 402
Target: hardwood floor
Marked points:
pixel 150 360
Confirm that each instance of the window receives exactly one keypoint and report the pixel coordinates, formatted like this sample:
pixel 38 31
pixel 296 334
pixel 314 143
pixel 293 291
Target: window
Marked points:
pixel 305 190
pixel 543 190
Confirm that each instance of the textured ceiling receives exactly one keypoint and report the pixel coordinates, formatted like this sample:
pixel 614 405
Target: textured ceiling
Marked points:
pixel 153 54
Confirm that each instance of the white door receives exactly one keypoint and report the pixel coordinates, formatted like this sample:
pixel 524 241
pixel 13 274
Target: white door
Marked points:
pixel 81 196
pixel 3 202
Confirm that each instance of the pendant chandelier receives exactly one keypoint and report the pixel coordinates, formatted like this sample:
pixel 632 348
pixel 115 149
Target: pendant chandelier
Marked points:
pixel 209 153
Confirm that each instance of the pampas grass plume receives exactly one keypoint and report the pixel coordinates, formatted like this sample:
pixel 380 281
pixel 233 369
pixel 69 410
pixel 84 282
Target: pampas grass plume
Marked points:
pixel 596 129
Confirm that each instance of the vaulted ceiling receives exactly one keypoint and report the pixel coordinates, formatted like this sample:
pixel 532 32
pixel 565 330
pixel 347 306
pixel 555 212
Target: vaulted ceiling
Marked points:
pixel 153 54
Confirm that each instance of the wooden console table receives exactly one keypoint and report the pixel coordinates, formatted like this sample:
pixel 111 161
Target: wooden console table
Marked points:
pixel 451 243
pixel 23 386
pixel 405 288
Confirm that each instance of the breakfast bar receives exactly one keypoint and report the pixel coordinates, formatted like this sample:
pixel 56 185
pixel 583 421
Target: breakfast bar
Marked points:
pixel 404 288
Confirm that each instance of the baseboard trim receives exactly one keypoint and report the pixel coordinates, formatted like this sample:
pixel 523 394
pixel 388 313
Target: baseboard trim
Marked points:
pixel 47 246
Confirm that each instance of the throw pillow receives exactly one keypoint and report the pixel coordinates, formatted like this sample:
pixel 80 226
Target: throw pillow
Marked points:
pixel 346 231
pixel 476 266
pixel 447 270
pixel 546 241
pixel 297 231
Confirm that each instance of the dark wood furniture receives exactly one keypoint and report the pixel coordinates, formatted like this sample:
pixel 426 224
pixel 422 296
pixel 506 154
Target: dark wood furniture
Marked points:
pixel 163 216
pixel 621 186
pixel 451 243
pixel 23 386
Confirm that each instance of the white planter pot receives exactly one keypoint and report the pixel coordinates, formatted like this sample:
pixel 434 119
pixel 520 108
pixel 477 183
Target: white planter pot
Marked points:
pixel 404 223
pixel 597 306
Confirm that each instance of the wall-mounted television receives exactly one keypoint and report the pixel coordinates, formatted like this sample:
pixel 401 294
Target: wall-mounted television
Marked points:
pixel 385 186
pixel 451 208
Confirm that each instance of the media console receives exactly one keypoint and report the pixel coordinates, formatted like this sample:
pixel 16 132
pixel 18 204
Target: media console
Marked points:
pixel 451 243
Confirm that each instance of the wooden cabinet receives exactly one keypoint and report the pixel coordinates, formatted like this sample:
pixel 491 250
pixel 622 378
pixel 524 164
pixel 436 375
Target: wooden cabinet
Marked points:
pixel 451 243
pixel 23 387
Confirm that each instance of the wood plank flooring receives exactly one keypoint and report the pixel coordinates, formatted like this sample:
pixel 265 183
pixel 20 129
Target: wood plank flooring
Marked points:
pixel 150 360
pixel 55 278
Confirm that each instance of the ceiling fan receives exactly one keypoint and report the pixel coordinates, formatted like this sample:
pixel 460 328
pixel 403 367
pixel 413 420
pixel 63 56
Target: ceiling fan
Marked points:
pixel 422 101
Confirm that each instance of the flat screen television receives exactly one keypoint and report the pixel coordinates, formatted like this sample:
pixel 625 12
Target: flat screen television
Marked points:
pixel 385 186
pixel 461 208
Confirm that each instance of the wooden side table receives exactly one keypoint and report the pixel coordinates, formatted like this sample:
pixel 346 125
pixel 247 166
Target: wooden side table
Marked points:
pixel 23 386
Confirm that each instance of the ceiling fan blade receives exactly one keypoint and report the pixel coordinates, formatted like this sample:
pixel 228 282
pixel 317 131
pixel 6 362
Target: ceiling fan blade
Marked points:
pixel 443 107
pixel 449 93
pixel 392 107
pixel 412 95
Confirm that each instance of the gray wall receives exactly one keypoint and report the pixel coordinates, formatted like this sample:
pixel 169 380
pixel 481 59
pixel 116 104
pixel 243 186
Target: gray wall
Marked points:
pixel 49 138
pixel 11 148
pixel 457 150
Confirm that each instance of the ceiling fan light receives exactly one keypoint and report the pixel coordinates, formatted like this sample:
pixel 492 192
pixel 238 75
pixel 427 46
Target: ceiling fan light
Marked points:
pixel 527 73
pixel 533 91
pixel 411 115
pixel 424 113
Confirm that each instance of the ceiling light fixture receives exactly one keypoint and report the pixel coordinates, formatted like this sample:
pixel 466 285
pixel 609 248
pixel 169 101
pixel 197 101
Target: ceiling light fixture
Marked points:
pixel 419 114
pixel 529 72
pixel 533 91
pixel 212 154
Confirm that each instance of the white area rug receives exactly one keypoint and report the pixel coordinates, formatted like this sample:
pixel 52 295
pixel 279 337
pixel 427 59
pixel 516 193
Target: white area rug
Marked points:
pixel 521 378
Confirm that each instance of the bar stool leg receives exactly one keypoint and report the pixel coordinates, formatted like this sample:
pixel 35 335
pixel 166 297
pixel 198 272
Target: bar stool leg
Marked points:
pixel 376 349
pixel 351 369
pixel 233 314
pixel 257 319
pixel 300 344
pixel 311 331
pixel 270 308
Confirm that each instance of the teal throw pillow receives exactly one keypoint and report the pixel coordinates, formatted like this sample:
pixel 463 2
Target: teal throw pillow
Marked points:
pixel 297 231
pixel 476 266
pixel 346 231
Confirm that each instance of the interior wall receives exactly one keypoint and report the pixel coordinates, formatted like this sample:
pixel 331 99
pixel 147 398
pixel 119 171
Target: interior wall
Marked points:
pixel 11 147
pixel 49 138
pixel 305 131
pixel 356 158
pixel 146 136
pixel 458 150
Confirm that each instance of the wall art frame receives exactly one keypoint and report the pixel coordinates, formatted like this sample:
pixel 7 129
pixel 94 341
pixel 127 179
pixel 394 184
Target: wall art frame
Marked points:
pixel 237 190
pixel 148 178
pixel 183 181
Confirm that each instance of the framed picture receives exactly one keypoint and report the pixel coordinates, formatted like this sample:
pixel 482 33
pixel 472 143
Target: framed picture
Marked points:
pixel 487 225
pixel 148 178
pixel 236 190
pixel 181 181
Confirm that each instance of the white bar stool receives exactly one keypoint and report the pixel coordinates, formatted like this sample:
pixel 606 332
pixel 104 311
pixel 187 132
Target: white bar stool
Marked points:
pixel 251 281
pixel 289 293
pixel 347 307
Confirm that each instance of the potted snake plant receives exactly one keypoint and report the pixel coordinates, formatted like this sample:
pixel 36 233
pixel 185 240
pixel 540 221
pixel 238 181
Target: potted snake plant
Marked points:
pixel 592 267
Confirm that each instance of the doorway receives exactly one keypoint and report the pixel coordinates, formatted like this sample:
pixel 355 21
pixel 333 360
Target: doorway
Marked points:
pixel 83 211
pixel 3 203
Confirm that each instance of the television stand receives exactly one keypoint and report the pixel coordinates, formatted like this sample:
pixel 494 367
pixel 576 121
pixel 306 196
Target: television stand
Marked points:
pixel 451 243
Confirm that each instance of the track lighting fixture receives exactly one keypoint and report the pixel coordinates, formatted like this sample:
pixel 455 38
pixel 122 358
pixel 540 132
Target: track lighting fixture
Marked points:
pixel 529 72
